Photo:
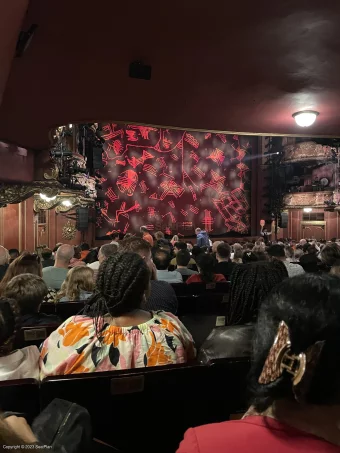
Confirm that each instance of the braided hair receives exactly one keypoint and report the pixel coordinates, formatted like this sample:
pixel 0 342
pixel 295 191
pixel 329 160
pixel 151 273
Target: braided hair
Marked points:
pixel 121 284
pixel 9 325
pixel 250 285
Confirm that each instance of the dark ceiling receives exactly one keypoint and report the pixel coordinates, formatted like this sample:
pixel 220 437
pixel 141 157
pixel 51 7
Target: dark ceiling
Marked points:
pixel 234 66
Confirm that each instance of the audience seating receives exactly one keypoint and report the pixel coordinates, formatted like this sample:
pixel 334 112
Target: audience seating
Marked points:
pixel 200 325
pixel 33 336
pixel 201 298
pixel 21 395
pixel 229 380
pixel 63 309
pixel 67 309
pixel 156 404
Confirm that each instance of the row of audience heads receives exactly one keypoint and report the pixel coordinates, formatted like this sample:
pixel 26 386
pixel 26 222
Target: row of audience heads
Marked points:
pixel 124 280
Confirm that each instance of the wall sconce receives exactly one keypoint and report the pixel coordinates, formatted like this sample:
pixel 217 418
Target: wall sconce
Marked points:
pixel 307 209
pixel 305 118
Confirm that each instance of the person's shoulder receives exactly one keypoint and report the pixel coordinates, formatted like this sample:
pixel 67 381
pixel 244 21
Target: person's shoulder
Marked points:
pixel 195 278
pixel 85 321
pixel 166 316
pixel 47 269
pixel 206 437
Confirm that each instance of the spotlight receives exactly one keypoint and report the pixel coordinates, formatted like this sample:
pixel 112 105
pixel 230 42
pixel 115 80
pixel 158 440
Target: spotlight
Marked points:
pixel 305 118
pixel 307 209
pixel 66 203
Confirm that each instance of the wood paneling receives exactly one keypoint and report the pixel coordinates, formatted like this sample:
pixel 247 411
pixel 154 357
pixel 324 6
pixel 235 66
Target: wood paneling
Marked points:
pixel 19 228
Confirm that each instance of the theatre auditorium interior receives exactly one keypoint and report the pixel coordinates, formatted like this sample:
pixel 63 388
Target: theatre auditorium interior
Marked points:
pixel 170 226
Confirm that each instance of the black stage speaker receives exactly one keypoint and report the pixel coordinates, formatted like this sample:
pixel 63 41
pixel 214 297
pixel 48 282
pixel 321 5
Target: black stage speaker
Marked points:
pixel 284 220
pixel 82 219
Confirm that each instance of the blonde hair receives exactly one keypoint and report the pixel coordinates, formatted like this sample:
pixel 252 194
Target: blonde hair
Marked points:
pixel 80 278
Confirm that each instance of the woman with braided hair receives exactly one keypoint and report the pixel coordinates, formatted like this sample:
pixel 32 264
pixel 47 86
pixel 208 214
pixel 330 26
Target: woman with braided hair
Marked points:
pixel 250 284
pixel 114 333
pixel 15 363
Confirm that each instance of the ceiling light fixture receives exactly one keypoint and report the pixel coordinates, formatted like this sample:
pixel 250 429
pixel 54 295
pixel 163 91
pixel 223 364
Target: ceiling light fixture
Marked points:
pixel 305 118
pixel 307 209
pixel 66 203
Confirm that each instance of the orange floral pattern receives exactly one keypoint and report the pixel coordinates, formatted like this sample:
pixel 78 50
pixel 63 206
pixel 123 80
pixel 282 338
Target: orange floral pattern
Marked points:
pixel 75 347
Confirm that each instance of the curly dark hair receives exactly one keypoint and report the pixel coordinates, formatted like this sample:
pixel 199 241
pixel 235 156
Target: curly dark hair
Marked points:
pixel 250 285
pixel 121 284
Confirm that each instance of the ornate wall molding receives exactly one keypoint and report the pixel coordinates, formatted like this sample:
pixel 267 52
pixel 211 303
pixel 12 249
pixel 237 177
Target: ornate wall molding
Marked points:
pixel 69 231
pixel 15 193
pixel 75 200
pixel 54 173
pixel 306 152
pixel 310 199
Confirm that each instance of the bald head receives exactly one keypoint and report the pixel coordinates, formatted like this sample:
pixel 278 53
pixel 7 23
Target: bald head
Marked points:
pixel 4 256
pixel 63 256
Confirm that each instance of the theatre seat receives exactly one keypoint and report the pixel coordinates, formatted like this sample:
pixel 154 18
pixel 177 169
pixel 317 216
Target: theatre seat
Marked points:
pixel 33 336
pixel 202 299
pixel 200 326
pixel 147 409
pixel 48 308
pixel 67 309
pixel 21 395
pixel 229 378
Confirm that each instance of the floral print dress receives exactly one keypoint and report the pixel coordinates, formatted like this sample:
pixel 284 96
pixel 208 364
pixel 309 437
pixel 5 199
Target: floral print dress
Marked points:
pixel 75 348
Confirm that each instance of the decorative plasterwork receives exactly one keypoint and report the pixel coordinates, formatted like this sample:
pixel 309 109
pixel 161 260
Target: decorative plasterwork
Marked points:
pixel 306 152
pixel 54 173
pixel 15 193
pixel 310 199
pixel 69 231
pixel 76 200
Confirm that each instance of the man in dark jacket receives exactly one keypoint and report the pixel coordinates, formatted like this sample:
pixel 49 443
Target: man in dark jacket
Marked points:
pixel 202 238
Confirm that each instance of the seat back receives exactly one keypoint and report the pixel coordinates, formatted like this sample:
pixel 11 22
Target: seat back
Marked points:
pixel 67 309
pixel 200 326
pixel 48 308
pixel 229 378
pixel 33 336
pixel 21 395
pixel 201 298
pixel 147 402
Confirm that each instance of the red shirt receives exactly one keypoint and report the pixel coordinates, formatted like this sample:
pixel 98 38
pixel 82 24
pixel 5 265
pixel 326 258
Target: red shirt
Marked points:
pixel 252 435
pixel 196 278
pixel 148 237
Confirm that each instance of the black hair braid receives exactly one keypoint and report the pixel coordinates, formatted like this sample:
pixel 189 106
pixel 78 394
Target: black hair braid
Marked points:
pixel 250 285
pixel 121 283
